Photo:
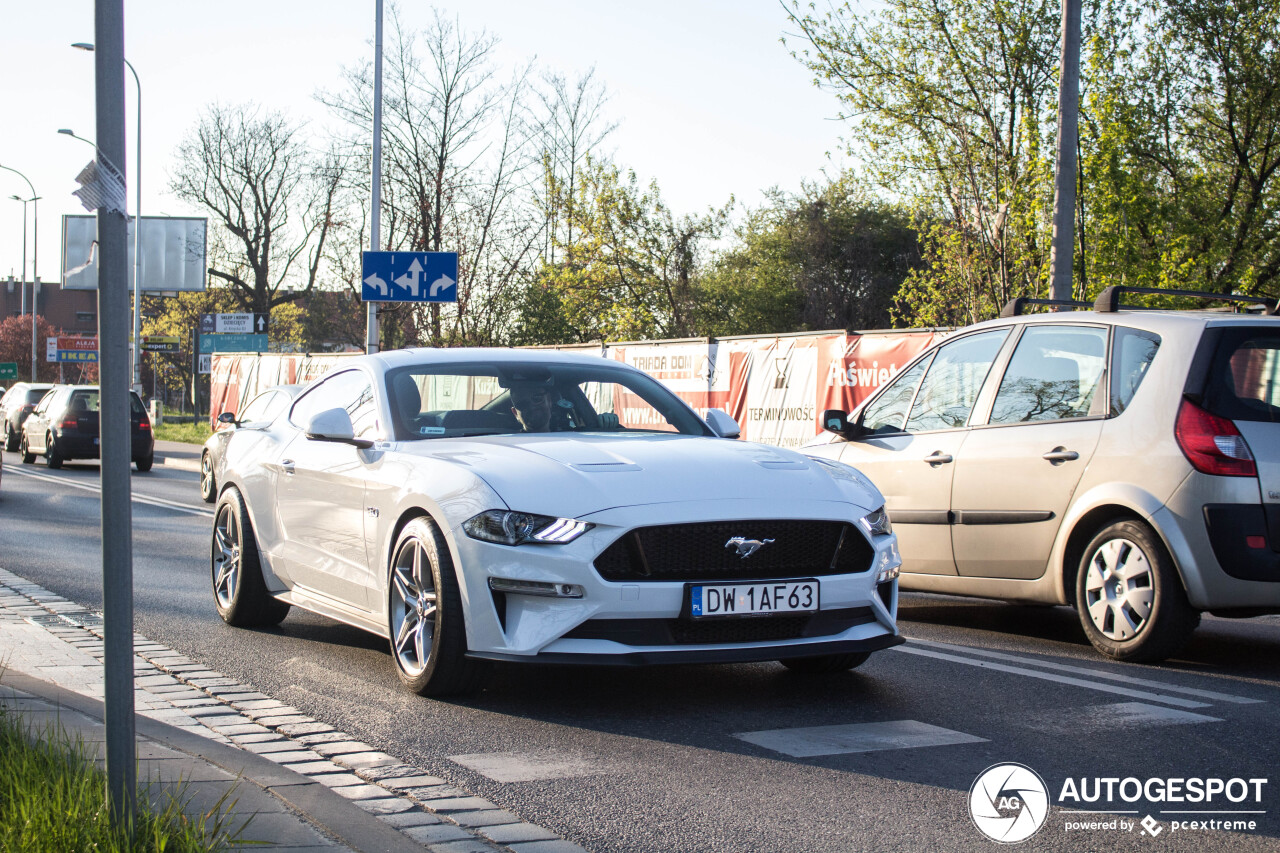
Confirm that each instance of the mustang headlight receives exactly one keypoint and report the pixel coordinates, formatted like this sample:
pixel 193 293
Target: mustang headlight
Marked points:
pixel 506 527
pixel 876 523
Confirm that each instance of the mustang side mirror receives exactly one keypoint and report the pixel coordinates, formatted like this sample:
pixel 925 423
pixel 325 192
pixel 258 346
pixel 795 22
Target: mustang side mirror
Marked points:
pixel 334 425
pixel 835 420
pixel 722 424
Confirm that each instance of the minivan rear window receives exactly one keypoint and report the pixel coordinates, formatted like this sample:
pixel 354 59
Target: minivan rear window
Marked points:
pixel 1245 380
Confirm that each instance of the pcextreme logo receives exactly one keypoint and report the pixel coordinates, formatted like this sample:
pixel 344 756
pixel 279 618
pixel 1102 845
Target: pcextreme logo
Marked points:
pixel 1008 802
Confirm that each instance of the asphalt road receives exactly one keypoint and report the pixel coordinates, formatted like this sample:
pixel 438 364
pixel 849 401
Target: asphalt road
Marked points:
pixel 744 757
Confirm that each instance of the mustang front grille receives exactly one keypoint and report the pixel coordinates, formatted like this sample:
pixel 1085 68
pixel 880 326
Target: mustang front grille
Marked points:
pixel 736 550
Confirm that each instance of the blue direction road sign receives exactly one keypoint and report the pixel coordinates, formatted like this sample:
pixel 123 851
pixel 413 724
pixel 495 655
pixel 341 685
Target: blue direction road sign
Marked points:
pixel 410 277
pixel 233 343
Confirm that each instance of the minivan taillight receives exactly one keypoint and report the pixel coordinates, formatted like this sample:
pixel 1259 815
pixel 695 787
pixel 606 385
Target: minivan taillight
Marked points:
pixel 1212 444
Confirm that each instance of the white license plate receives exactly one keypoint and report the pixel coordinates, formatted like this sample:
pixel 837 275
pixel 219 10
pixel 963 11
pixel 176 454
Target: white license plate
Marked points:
pixel 752 599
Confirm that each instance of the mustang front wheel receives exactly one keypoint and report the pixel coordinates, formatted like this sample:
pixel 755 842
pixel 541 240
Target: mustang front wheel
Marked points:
pixel 428 634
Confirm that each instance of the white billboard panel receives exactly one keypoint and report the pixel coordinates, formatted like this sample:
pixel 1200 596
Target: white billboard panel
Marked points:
pixel 173 253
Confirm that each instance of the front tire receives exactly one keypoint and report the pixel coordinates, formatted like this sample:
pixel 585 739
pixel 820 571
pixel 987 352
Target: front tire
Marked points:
pixel 239 591
pixel 424 612
pixel 1129 597
pixel 826 664
pixel 208 484
pixel 10 438
pixel 28 458
pixel 51 455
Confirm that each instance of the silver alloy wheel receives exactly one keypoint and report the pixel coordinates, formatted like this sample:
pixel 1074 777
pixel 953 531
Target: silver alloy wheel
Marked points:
pixel 206 476
pixel 227 542
pixel 1119 589
pixel 413 608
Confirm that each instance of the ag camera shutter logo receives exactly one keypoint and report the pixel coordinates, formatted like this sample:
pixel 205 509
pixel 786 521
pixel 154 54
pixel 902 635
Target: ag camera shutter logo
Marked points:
pixel 1008 803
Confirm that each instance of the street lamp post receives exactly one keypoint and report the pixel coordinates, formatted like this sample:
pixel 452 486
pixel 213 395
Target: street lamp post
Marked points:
pixel 35 260
pixel 137 228
pixel 22 286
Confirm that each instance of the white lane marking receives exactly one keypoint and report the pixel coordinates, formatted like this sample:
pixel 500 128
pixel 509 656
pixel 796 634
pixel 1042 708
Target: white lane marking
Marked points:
pixel 531 766
pixel 1061 679
pixel 1121 715
pixel 97 490
pixel 855 737
pixel 1093 673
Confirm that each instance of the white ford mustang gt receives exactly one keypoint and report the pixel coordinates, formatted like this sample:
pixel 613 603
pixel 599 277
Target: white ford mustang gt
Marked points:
pixel 474 505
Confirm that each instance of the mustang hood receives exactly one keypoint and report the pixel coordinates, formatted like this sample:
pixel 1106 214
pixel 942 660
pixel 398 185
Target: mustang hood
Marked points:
pixel 571 477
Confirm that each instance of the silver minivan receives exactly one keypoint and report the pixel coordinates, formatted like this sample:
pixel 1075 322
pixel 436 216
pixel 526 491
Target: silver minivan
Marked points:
pixel 1123 461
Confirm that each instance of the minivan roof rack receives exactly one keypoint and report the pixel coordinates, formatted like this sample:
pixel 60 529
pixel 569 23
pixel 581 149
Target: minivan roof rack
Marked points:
pixel 1109 299
pixel 1014 307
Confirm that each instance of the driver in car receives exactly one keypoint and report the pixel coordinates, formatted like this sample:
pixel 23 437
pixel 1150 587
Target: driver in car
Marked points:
pixel 531 404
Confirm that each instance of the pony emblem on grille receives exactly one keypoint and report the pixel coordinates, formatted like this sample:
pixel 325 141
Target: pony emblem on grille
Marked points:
pixel 746 547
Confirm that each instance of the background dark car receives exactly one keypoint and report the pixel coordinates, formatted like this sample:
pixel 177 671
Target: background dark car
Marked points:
pixel 18 402
pixel 64 426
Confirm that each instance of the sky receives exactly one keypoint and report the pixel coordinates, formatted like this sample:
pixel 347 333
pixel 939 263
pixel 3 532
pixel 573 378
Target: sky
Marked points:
pixel 709 103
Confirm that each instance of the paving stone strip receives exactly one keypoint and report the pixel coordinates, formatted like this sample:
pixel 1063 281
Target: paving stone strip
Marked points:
pixel 188 695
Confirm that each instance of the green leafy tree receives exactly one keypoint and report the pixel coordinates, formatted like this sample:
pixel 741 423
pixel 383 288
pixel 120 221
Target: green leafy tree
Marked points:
pixel 831 257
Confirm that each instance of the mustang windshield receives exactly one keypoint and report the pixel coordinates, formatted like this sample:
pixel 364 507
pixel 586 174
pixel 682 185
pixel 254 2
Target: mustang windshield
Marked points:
pixel 451 400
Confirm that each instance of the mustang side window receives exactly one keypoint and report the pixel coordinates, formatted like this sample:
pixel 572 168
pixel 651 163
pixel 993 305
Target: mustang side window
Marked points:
pixel 1054 375
pixel 951 384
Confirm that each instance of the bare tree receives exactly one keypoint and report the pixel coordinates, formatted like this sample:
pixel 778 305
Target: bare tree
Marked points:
pixel 271 199
pixel 458 172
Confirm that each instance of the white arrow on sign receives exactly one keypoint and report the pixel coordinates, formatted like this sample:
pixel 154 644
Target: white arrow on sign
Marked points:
pixel 376 281
pixel 262 323
pixel 409 281
pixel 443 282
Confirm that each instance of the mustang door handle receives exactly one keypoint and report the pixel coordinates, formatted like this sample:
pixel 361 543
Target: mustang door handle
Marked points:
pixel 938 458
pixel 1059 455
pixel 287 466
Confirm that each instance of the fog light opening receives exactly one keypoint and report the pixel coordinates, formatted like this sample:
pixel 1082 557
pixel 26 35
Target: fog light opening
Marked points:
pixel 546 589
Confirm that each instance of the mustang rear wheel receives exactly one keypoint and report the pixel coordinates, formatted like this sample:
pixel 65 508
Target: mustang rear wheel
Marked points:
pixel 1129 596
pixel 208 485
pixel 428 632
pixel 238 589
pixel 825 664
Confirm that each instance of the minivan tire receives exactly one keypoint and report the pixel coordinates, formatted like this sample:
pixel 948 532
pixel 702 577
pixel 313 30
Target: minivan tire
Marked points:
pixel 1129 597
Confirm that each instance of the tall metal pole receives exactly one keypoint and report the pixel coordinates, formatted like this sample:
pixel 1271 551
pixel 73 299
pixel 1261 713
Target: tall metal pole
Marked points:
pixel 1064 196
pixel 375 218
pixel 35 262
pixel 113 367
pixel 137 240
pixel 22 286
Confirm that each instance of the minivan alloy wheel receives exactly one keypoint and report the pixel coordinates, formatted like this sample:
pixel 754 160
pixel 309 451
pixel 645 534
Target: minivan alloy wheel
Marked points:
pixel 1119 592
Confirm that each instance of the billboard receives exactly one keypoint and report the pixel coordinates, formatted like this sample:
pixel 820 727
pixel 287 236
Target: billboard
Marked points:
pixel 173 253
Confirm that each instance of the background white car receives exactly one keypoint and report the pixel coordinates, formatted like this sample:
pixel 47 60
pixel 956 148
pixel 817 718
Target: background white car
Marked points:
pixel 598 520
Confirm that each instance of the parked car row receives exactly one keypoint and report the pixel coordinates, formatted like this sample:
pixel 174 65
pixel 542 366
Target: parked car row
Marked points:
pixel 60 422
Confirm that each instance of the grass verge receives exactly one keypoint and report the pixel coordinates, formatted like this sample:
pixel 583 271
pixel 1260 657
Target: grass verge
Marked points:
pixel 187 433
pixel 53 799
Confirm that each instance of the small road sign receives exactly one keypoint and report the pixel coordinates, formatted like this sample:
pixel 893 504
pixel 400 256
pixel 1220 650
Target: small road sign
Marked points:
pixel 410 277
pixel 233 324
pixel 233 343
pixel 161 343
pixel 8 370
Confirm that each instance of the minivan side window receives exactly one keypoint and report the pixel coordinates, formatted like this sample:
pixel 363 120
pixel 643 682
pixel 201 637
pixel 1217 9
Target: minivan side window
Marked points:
pixel 887 411
pixel 951 385
pixel 1131 354
pixel 1054 375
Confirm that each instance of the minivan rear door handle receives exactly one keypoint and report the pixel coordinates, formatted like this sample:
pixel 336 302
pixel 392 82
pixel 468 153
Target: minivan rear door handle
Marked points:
pixel 1059 455
pixel 938 458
